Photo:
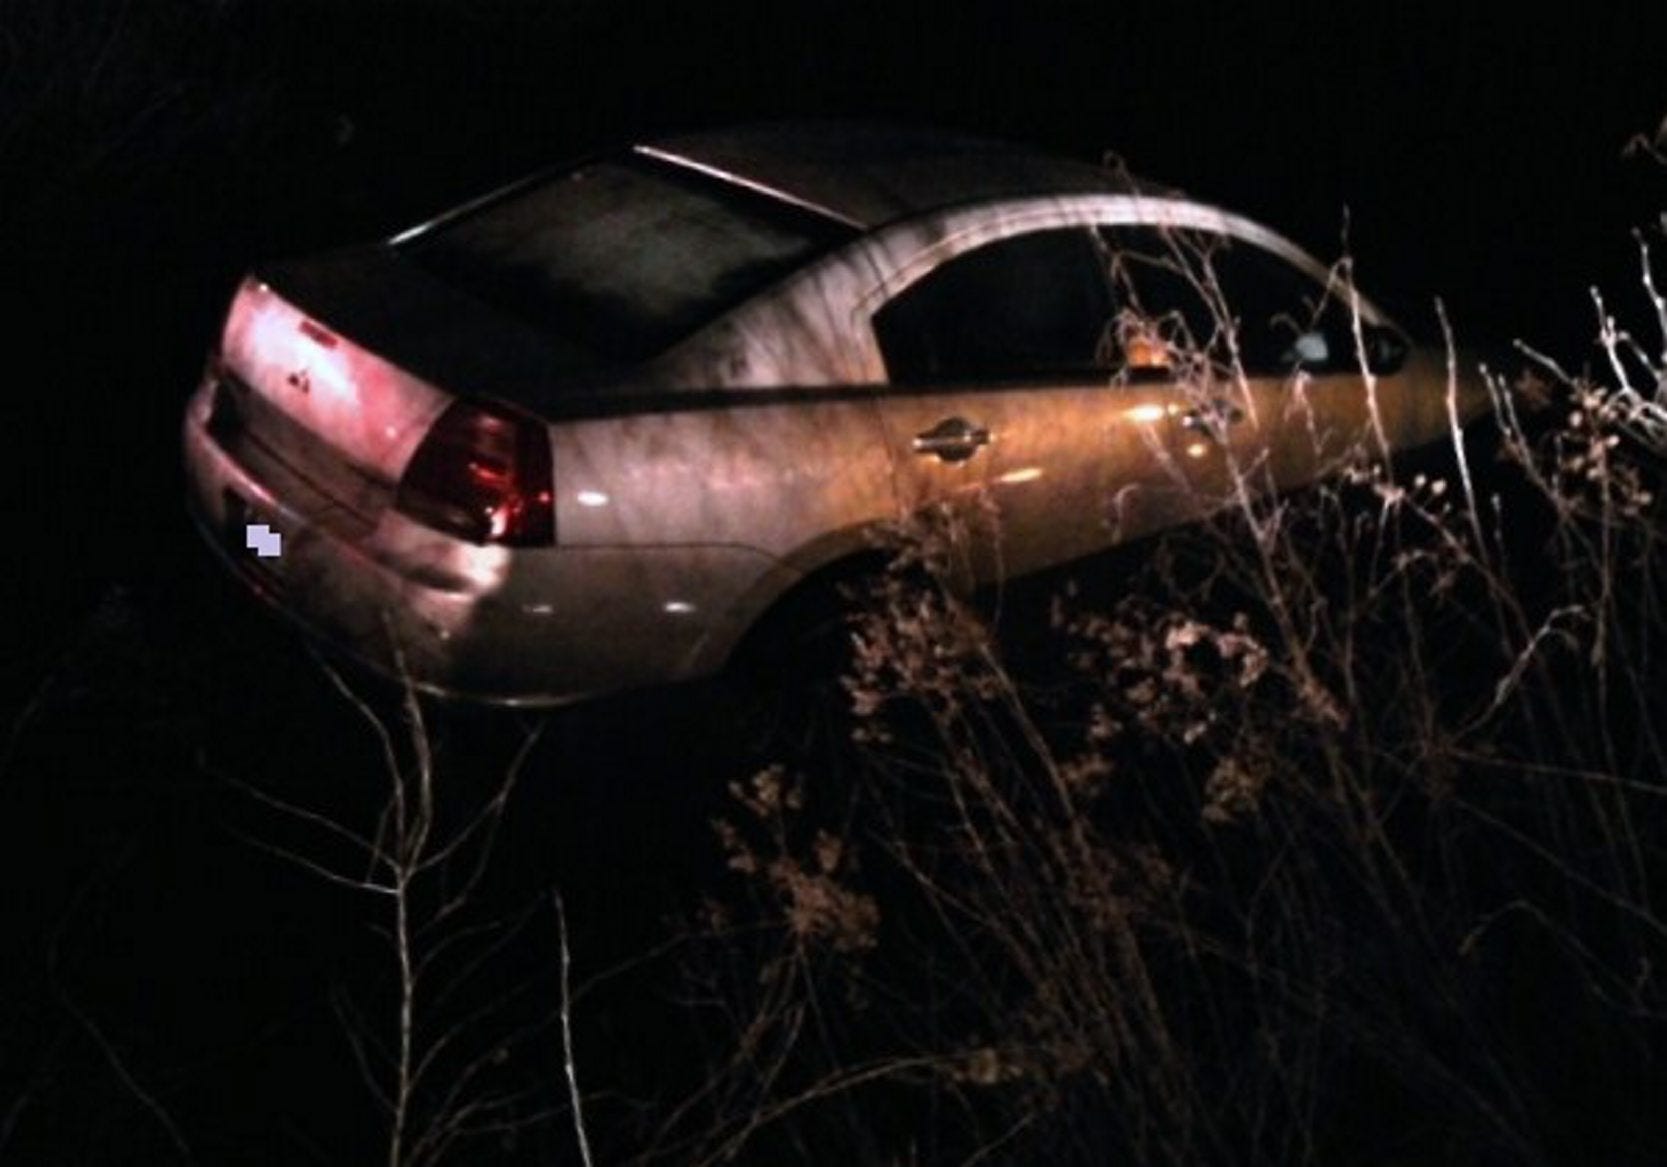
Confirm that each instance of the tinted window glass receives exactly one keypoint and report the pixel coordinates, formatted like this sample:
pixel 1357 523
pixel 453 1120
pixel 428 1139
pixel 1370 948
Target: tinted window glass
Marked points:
pixel 1029 306
pixel 1282 317
pixel 622 258
pixel 1286 319
pixel 1160 298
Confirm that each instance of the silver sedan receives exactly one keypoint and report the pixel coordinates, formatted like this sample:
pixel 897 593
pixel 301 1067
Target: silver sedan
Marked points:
pixel 583 433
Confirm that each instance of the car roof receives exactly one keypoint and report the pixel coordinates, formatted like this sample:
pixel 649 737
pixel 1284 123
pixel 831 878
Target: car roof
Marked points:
pixel 868 175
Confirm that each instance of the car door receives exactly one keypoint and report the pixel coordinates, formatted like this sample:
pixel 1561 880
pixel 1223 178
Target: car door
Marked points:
pixel 1003 401
pixel 1225 425
pixel 1299 335
pixel 1262 350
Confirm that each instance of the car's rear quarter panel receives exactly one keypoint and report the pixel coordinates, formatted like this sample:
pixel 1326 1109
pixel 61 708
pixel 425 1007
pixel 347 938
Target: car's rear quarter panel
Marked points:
pixel 766 476
pixel 757 458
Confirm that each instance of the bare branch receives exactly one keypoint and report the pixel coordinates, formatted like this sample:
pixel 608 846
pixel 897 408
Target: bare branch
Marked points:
pixel 568 1063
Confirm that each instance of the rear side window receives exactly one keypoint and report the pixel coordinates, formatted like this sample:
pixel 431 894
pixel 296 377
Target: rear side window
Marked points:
pixel 624 257
pixel 1032 306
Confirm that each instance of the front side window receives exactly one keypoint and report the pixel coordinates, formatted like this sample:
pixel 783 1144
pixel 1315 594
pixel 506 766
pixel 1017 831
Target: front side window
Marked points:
pixel 621 258
pixel 1029 307
pixel 1281 318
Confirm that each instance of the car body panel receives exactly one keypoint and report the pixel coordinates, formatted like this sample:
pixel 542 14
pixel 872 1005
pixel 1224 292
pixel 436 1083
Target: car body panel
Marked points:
pixel 769 476
pixel 309 379
pixel 484 623
pixel 1069 468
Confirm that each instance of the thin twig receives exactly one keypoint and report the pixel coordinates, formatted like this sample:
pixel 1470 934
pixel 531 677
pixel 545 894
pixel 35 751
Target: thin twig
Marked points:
pixel 568 1061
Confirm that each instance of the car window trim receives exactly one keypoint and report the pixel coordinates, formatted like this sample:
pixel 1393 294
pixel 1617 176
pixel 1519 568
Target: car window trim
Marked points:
pixel 1007 218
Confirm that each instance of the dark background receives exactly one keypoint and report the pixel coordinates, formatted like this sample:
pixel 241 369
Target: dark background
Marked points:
pixel 151 149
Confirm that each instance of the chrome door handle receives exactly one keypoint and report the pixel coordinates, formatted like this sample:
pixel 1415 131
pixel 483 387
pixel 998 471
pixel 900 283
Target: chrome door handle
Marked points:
pixel 1212 418
pixel 954 439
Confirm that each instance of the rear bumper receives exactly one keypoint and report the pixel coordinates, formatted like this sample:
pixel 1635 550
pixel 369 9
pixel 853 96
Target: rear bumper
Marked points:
pixel 537 627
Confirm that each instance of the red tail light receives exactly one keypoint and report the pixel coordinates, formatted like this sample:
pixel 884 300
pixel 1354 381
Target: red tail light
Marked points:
pixel 483 474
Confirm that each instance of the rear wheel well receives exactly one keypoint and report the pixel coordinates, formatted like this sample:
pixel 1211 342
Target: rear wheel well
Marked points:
pixel 808 615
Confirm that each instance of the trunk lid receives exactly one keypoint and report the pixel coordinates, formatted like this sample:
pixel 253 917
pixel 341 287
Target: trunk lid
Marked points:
pixel 331 371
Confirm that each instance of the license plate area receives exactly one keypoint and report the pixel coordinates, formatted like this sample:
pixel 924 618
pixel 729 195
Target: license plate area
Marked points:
pixel 240 514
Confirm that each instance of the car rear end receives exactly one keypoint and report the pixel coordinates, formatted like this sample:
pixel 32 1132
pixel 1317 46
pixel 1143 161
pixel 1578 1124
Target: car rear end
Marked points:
pixel 381 511
pixel 371 445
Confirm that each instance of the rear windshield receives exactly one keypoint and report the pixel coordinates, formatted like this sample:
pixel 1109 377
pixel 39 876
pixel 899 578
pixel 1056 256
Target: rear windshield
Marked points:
pixel 622 258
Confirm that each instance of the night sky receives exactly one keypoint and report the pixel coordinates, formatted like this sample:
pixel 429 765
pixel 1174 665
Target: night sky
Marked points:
pixel 151 150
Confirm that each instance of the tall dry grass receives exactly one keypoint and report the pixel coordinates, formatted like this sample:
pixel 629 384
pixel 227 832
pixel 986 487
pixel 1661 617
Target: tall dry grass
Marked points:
pixel 1333 833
